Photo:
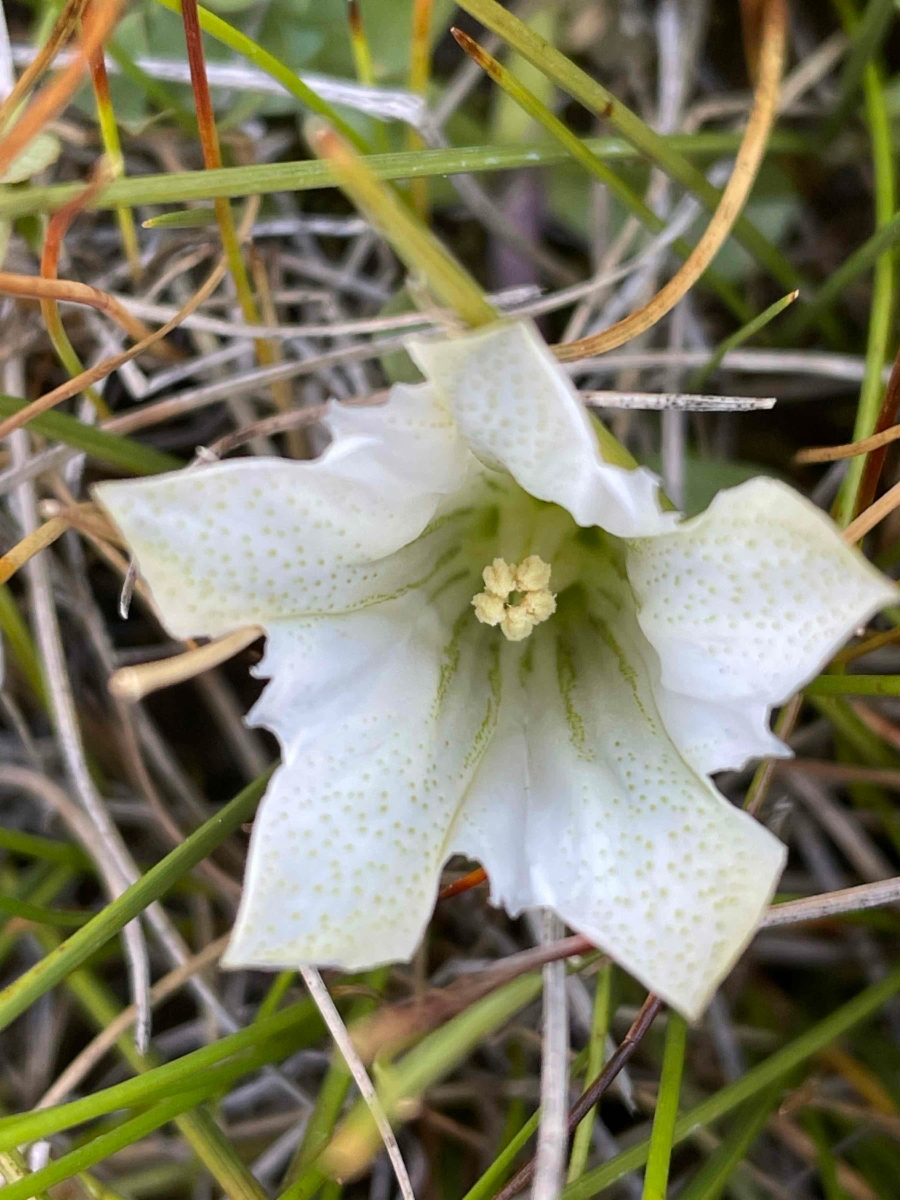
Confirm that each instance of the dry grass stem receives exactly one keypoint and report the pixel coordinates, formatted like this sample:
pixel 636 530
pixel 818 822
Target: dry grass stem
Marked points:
pixel 750 155
pixel 133 683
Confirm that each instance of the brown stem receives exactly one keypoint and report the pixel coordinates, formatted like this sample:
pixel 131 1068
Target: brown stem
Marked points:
pixel 206 120
pixel 96 26
pixel 59 35
pixel 594 1091
pixel 887 416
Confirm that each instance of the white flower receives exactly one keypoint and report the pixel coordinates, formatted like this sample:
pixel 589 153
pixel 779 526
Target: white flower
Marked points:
pixel 483 638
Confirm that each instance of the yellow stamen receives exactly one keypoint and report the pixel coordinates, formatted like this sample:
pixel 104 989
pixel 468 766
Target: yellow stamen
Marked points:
pixel 530 579
pixel 532 575
pixel 499 578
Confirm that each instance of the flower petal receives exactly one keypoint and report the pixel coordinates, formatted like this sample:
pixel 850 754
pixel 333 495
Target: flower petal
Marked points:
pixel 383 716
pixel 744 604
pixel 256 539
pixel 517 408
pixel 618 834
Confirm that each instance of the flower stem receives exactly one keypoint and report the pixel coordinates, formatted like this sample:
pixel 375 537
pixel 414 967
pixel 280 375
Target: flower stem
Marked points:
pixel 581 1143
pixel 656 1178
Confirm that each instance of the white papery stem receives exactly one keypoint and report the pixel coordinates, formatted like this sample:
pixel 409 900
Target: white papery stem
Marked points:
pixel 355 1066
pixel 553 1134
pixel 103 846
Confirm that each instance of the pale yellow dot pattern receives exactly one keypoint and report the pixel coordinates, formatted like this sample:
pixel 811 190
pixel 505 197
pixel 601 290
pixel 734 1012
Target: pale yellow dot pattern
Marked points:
pixel 383 716
pixel 518 410
pixel 744 605
pixel 584 804
pixel 253 540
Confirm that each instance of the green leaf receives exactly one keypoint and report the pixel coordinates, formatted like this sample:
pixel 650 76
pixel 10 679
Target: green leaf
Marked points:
pixel 110 448
pixel 44 916
pixel 210 1068
pixel 303 175
pixel 854 685
pixel 45 974
pixel 761 1077
pixel 711 1179
pixel 659 1155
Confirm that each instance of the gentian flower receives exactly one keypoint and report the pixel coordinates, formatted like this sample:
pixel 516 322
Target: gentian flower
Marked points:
pixel 485 638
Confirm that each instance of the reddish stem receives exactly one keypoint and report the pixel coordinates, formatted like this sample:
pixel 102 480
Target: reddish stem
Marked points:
pixel 887 416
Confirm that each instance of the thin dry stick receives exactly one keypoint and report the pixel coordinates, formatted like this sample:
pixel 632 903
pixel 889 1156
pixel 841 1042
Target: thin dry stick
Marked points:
pixel 34 287
pixel 45 535
pixel 552 1134
pixel 73 386
pixel 875 513
pixel 749 157
pixel 93 374
pixel 342 1041
pixel 840 772
pixel 821 454
pixel 97 24
pixel 87 1059
pixel 762 776
pixel 595 1090
pixel 101 842
pixel 133 683
pixel 878 723
pixel 394 1025
pixel 59 35
pixel 57 228
pixel 832 904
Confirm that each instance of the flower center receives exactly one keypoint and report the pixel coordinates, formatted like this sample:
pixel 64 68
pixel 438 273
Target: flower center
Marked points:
pixel 515 597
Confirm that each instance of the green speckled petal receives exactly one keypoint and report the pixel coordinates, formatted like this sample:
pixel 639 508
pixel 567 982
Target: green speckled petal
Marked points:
pixel 584 804
pixel 258 539
pixel 517 409
pixel 744 604
pixel 383 718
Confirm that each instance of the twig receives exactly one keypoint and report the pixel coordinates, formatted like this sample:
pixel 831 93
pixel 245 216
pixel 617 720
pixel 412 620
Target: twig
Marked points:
pixel 552 1132
pixel 601 1084
pixel 820 454
pixel 338 1031
pixel 833 904
pixel 133 683
pixel 102 844
pixel 108 365
pixel 872 516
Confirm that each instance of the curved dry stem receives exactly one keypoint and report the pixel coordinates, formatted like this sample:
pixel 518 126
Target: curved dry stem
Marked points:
pixel 44 536
pixel 133 683
pixel 822 454
pixel 62 30
pixel 108 365
pixel 749 157
pixel 99 20
pixel 37 287
pixel 875 513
